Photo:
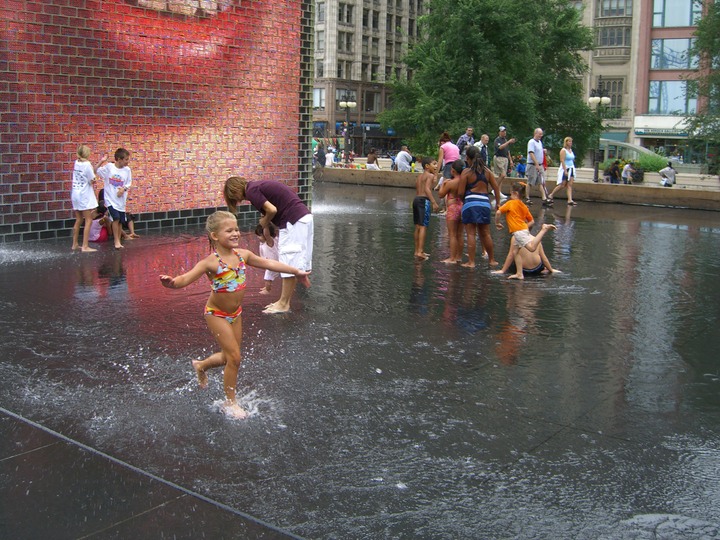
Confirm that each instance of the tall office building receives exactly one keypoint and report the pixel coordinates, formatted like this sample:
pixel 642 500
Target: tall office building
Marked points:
pixel 642 63
pixel 359 45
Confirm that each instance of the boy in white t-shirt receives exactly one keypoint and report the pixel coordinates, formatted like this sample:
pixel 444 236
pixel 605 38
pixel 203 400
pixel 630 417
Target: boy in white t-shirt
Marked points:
pixel 117 178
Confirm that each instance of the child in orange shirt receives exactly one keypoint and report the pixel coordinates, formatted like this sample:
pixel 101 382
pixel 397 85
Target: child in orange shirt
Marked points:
pixel 519 222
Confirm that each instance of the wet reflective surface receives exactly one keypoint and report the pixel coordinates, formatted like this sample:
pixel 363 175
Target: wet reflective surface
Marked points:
pixel 399 400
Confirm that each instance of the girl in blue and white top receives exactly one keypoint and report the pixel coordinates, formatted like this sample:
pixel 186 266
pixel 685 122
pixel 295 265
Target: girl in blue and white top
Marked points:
pixel 566 171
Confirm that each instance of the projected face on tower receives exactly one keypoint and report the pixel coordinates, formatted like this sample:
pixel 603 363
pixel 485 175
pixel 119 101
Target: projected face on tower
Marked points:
pixel 212 85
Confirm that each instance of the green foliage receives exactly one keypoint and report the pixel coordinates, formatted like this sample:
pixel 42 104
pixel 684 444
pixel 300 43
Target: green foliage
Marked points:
pixel 646 162
pixel 705 123
pixel 490 62
pixel 651 162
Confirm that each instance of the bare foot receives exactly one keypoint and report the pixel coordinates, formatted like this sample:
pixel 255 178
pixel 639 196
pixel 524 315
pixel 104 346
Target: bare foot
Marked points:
pixel 201 374
pixel 133 235
pixel 274 308
pixel 88 250
pixel 516 276
pixel 233 410
pixel 468 265
pixel 499 272
pixel 450 261
pixel 264 291
pixel 493 262
pixel 75 248
pixel 422 257
pixel 119 247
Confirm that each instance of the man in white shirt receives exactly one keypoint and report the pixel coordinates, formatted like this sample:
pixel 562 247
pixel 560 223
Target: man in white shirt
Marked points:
pixel 535 172
pixel 668 175
pixel 627 171
pixel 403 160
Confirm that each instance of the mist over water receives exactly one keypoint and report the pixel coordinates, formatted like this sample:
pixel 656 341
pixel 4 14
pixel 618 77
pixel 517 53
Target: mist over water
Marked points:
pixel 400 399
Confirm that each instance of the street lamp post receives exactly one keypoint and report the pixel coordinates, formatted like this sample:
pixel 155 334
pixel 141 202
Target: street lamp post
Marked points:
pixel 598 100
pixel 347 103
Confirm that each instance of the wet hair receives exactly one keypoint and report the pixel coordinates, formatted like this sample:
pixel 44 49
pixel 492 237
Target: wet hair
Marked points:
pixel 478 165
pixel 234 192
pixel 426 160
pixel 83 152
pixel 458 165
pixel 121 153
pixel 445 137
pixel 261 233
pixel 212 225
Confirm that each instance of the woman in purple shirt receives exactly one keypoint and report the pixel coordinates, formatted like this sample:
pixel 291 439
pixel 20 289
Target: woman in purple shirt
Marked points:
pixel 279 204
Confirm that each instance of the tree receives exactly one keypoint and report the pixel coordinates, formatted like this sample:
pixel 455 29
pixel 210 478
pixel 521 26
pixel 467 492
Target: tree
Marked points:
pixel 704 124
pixel 488 63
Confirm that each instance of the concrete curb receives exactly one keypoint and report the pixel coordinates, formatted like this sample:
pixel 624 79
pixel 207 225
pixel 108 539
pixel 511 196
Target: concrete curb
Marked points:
pixel 697 192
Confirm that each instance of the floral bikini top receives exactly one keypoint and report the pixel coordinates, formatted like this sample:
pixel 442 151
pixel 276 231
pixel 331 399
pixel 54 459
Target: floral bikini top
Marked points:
pixel 229 279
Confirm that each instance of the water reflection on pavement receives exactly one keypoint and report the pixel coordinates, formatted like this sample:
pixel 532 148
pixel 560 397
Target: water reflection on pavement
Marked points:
pixel 400 399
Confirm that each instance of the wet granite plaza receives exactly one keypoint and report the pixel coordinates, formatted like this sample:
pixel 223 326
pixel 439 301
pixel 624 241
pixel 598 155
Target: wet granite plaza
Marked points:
pixel 397 400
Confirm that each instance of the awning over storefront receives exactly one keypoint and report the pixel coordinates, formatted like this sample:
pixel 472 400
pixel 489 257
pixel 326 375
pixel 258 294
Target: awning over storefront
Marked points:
pixel 620 136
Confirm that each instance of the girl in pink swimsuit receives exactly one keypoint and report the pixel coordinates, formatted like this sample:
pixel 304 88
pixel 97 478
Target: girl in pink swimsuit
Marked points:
pixel 225 268
pixel 454 209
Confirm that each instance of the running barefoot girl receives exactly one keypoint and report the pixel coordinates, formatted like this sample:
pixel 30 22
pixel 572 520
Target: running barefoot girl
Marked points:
pixel 225 268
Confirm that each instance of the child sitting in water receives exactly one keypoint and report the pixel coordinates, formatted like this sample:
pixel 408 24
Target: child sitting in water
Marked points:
pixel 225 268
pixel 268 250
pixel 519 222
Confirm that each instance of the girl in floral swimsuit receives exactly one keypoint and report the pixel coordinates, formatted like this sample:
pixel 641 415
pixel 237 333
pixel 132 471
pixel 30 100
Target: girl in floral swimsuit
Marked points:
pixel 225 268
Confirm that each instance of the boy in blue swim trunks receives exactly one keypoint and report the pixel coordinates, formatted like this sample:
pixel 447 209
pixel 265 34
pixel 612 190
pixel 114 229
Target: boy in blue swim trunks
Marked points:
pixel 422 204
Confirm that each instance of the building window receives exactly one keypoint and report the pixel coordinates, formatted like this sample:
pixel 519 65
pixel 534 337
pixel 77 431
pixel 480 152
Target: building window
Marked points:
pixel 613 88
pixel 319 99
pixel 399 27
pixel 672 97
pixel 373 102
pixel 667 13
pixel 614 8
pixel 319 69
pixel 320 41
pixel 374 68
pixel 345 13
pixel 375 51
pixel 345 42
pixel 673 54
pixel 614 36
pixel 343 69
pixel 376 20
pixel 342 95
pixel 320 12
pixel 366 18
pixel 365 46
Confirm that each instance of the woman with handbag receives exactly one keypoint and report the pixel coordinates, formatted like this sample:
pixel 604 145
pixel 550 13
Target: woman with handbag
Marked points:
pixel 566 171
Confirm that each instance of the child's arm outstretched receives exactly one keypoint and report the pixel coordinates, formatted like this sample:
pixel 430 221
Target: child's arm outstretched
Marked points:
pixel 183 280
pixel 498 212
pixel 276 266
